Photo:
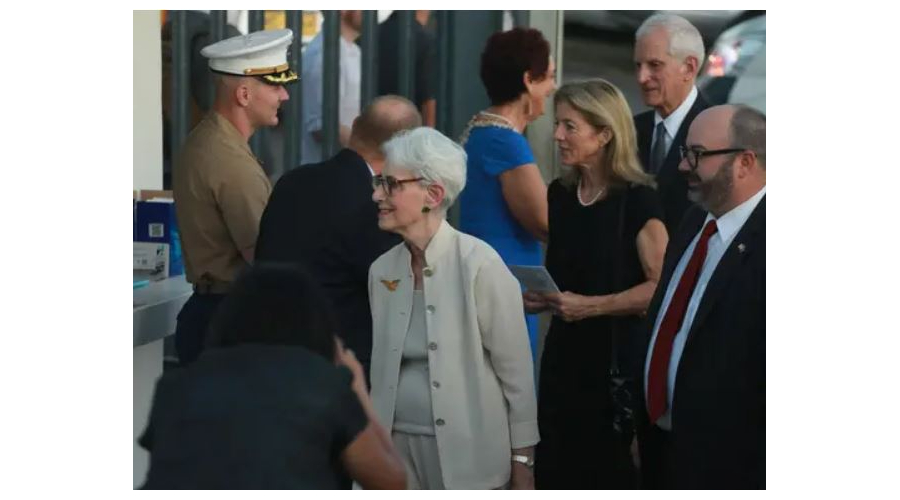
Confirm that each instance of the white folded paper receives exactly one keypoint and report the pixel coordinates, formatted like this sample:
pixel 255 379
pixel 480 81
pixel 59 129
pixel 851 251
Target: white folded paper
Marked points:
pixel 534 278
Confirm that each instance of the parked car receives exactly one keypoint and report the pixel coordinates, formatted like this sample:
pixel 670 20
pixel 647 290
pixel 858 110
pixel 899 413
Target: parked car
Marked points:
pixel 735 70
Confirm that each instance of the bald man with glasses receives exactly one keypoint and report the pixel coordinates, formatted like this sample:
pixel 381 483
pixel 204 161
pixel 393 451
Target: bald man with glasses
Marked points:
pixel 703 421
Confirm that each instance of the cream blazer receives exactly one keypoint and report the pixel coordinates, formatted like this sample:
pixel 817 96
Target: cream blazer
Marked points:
pixel 479 356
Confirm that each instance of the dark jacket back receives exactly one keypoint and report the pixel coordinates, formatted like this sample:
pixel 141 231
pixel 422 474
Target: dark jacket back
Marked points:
pixel 322 217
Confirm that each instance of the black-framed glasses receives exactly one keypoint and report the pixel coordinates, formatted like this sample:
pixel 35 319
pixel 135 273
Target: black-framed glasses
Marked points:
pixel 694 155
pixel 389 183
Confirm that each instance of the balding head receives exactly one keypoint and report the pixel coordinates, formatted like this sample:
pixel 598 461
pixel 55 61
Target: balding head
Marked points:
pixel 711 128
pixel 748 130
pixel 727 147
pixel 381 120
pixel 734 126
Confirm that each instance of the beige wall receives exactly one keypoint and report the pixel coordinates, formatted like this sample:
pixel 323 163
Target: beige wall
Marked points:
pixel 540 132
pixel 148 169
pixel 147 101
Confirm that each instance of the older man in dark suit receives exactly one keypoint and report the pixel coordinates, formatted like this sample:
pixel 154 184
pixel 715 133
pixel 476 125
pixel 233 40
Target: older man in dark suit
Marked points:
pixel 668 54
pixel 703 424
pixel 321 216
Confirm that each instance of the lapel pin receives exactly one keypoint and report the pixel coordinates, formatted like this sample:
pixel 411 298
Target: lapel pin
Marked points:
pixel 390 285
pixel 741 247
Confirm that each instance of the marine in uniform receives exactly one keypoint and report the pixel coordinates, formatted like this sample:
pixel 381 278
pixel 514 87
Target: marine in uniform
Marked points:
pixel 219 186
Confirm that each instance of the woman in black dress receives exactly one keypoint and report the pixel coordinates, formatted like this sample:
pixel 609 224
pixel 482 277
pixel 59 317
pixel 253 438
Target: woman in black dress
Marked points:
pixel 605 253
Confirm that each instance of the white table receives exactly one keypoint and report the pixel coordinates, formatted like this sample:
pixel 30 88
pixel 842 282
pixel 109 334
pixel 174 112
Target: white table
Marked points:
pixel 155 308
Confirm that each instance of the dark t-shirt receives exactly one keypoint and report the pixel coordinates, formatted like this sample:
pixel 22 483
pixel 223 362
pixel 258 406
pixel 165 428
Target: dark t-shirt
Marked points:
pixel 252 417
pixel 424 69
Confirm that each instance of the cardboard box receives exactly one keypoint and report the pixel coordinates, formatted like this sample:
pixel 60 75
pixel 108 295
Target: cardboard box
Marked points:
pixel 151 261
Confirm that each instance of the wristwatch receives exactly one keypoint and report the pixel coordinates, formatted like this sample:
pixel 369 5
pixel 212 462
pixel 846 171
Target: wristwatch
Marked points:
pixel 524 460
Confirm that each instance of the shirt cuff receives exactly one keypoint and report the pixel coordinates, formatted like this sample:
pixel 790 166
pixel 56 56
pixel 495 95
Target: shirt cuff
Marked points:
pixel 523 434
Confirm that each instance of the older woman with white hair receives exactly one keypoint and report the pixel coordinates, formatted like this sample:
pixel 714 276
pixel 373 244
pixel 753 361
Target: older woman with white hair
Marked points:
pixel 451 364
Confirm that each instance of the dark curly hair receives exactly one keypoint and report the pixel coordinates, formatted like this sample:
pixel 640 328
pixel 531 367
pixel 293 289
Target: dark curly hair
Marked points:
pixel 507 56
pixel 275 304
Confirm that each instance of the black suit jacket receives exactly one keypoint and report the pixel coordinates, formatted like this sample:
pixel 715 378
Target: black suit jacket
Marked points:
pixel 322 217
pixel 671 183
pixel 719 406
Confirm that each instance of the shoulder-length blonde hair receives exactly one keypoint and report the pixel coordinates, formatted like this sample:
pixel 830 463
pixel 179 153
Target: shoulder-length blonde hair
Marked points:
pixel 602 104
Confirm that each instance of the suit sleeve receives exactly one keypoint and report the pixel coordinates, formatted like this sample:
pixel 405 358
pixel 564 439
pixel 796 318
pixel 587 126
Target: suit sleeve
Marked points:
pixel 266 246
pixel 501 319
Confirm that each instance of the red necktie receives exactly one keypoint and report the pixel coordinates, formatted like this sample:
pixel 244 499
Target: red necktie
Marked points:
pixel 657 378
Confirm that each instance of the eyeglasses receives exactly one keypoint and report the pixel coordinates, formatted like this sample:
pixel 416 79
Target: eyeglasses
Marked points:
pixel 693 155
pixel 389 183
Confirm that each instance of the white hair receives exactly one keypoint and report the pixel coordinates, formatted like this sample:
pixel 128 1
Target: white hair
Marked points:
pixel 684 38
pixel 427 153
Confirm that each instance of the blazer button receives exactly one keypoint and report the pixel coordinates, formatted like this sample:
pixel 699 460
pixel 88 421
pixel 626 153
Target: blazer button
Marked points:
pixel 433 346
pixel 430 309
pixel 436 384
pixel 428 272
pixel 439 421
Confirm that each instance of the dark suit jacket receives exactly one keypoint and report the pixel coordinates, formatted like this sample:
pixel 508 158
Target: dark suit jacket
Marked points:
pixel 671 183
pixel 322 217
pixel 719 406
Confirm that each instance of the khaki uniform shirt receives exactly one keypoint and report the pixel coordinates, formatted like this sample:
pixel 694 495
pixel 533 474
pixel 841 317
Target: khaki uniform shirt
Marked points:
pixel 220 192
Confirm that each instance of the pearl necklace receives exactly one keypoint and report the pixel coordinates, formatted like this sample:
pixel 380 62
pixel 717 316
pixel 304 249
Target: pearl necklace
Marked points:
pixel 594 200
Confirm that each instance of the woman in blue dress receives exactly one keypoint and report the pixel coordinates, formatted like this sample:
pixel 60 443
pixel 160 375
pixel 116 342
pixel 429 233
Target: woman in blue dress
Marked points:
pixel 505 200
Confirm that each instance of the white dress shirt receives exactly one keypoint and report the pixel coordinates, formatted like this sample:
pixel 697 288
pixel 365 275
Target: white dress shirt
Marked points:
pixel 674 120
pixel 311 81
pixel 728 227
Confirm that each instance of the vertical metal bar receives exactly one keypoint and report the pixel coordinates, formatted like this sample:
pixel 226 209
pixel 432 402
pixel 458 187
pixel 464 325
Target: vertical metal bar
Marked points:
pixel 405 53
pixel 258 141
pixel 448 30
pixel 331 67
pixel 257 20
pixel 293 108
pixel 369 46
pixel 498 20
pixel 217 20
pixel 444 58
pixel 181 81
pixel 521 18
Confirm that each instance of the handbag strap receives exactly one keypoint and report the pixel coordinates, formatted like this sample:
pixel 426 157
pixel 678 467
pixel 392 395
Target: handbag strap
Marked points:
pixel 617 279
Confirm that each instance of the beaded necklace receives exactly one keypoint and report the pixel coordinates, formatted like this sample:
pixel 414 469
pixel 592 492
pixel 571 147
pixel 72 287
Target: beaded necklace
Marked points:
pixel 485 119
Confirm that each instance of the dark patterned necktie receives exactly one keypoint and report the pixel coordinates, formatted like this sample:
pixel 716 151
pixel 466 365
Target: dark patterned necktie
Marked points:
pixel 658 154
